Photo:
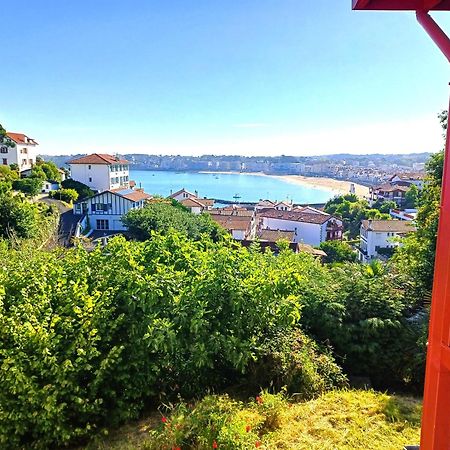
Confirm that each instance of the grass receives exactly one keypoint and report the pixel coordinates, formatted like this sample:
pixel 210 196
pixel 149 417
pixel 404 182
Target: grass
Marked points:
pixel 338 420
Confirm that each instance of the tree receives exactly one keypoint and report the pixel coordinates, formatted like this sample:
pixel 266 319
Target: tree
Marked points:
pixel 338 252
pixel 411 198
pixel 30 186
pixel 162 216
pixel 17 218
pixel 83 190
pixel 4 139
pixel 66 195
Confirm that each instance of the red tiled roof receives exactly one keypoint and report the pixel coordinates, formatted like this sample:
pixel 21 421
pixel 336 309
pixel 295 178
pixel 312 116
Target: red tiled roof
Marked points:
pixel 233 222
pixel 276 235
pixel 192 202
pixel 180 192
pixel 20 138
pixel 295 216
pixel 98 158
pixel 134 196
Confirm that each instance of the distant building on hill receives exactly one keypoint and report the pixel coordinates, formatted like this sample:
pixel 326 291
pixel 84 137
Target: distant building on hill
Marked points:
pixel 101 171
pixel 23 153
pixel 377 237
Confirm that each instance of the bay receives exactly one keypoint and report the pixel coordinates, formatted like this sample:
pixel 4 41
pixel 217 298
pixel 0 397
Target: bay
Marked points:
pixel 225 186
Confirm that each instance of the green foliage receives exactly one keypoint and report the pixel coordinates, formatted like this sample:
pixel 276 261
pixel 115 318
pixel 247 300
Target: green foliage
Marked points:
pixel 18 218
pixel 8 174
pixel 352 211
pixel 46 170
pixel 411 198
pixel 4 139
pixel 89 337
pixel 338 252
pixel 362 313
pixel 162 216
pixel 83 190
pixel 30 186
pixel 66 195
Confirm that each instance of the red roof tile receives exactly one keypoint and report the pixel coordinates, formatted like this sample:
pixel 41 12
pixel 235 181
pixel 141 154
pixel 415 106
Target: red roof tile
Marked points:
pixel 98 158
pixel 20 138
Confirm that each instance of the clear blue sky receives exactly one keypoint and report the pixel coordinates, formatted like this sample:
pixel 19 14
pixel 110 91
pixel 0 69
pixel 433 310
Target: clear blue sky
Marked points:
pixel 209 76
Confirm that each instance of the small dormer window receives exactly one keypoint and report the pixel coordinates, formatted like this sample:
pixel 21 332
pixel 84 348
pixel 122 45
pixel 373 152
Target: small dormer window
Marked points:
pixel 89 167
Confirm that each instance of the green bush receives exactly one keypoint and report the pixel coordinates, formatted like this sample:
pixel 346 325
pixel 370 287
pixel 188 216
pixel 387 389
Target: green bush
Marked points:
pixel 66 195
pixel 88 338
pixel 162 216
pixel 18 218
pixel 83 190
pixel 31 186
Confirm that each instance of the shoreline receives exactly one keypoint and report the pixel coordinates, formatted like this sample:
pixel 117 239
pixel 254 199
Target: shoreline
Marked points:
pixel 339 187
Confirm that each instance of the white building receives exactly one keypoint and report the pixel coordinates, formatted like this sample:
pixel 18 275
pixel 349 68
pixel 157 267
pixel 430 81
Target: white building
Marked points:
pixel 197 205
pixel 378 237
pixel 104 210
pixel 308 226
pixel 23 153
pixel 405 214
pixel 183 194
pixel 101 172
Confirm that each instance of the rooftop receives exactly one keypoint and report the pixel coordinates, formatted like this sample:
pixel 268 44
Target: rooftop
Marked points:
pixel 98 158
pixel 131 194
pixel 20 138
pixel 388 226
pixel 295 216
pixel 275 235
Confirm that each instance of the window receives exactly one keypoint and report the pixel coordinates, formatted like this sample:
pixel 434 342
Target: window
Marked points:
pixel 90 179
pixel 89 167
pixel 5 162
pixel 102 224
pixel 4 149
pixel 24 162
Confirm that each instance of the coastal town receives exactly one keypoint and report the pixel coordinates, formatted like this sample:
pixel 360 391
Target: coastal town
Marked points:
pixel 304 226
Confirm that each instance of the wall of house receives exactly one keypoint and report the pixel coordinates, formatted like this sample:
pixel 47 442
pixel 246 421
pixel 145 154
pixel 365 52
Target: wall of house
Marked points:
pixel 309 233
pixel 370 240
pixel 23 155
pixel 116 207
pixel 96 176
pixel 238 234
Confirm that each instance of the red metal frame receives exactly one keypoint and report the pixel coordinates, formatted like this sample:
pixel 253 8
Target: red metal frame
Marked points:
pixel 436 403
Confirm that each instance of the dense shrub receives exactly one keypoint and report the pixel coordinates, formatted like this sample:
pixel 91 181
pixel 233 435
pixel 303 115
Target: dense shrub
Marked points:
pixel 338 251
pixel 83 190
pixel 66 195
pixel 31 186
pixel 162 216
pixel 89 337
pixel 18 218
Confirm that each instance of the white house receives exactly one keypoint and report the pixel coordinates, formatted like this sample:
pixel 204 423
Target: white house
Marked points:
pixel 105 209
pixel 197 205
pixel 407 179
pixel 377 237
pixel 50 185
pixel 101 172
pixel 308 226
pixel 183 194
pixel 23 153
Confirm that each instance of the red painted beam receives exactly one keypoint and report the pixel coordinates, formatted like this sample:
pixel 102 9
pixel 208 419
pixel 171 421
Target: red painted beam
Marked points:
pixel 435 32
pixel 402 5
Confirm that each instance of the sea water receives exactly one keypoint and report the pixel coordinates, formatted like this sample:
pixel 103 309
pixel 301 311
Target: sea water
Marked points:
pixel 241 187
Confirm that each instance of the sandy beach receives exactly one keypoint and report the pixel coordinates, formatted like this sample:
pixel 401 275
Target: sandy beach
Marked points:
pixel 338 186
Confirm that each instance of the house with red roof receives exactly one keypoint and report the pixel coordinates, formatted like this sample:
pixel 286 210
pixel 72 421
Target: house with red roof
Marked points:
pixel 22 152
pixel 101 171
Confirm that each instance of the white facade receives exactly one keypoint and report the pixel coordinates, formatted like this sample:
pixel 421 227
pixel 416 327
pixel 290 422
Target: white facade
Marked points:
pixel 183 194
pixel 373 237
pixel 48 186
pixel 309 233
pixel 101 177
pixel 104 211
pixel 23 153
